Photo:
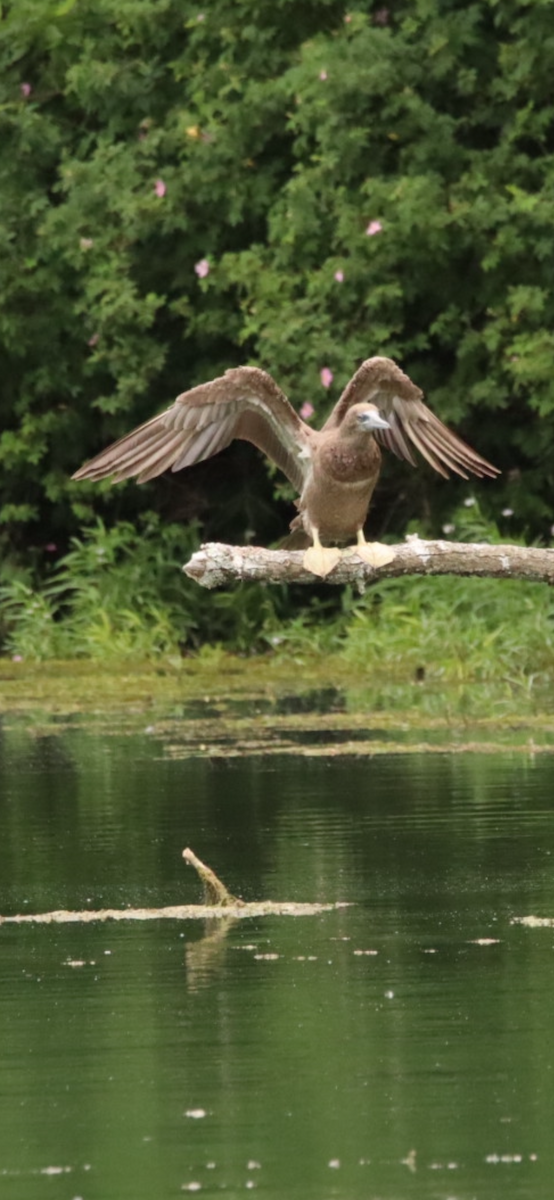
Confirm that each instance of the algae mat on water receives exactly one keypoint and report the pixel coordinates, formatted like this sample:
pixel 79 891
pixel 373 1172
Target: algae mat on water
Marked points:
pixel 219 705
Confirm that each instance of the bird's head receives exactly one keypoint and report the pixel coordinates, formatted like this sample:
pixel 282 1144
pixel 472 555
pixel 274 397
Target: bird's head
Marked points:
pixel 366 418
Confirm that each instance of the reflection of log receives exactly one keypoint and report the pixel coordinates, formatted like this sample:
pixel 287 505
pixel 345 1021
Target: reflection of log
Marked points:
pixel 205 957
pixel 217 564
pixel 215 891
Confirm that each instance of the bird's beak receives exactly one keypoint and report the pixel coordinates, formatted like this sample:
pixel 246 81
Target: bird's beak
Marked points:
pixel 373 420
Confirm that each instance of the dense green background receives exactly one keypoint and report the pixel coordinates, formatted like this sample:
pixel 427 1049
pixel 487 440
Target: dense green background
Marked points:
pixel 277 133
pixel 280 132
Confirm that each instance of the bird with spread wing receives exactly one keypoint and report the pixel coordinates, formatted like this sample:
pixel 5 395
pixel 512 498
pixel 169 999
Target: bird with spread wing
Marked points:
pixel 334 469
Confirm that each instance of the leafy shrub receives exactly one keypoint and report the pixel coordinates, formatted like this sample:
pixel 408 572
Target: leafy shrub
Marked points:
pixel 121 593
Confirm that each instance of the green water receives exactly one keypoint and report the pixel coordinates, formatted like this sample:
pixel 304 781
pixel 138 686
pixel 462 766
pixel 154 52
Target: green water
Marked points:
pixel 401 1047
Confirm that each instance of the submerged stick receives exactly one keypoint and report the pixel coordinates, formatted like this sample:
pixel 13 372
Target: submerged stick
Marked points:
pixel 219 903
pixel 215 891
pixel 216 564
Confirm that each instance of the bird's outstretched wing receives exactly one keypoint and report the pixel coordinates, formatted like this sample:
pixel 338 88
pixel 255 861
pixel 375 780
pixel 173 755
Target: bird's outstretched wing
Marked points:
pixel 244 403
pixel 380 381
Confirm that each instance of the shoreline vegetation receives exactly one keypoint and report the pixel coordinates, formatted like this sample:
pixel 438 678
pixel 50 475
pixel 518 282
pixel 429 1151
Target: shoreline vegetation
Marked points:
pixel 270 702
pixel 117 626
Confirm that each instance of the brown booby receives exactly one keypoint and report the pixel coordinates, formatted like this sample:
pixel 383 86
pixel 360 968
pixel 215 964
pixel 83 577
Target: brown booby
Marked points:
pixel 334 469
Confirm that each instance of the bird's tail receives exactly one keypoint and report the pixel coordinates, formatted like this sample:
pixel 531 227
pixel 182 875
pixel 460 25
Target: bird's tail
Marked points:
pixel 297 539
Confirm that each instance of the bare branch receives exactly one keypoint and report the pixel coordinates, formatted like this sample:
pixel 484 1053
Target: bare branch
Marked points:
pixel 215 891
pixel 217 564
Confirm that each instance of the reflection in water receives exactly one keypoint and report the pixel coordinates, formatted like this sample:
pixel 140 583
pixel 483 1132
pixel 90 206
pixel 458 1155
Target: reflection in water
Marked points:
pixel 398 1048
pixel 204 958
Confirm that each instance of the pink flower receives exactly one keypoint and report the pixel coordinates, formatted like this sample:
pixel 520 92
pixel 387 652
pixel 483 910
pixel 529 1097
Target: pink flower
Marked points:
pixel 160 188
pixel 202 268
pixel 307 410
pixel 17 658
pixel 51 547
pixel 94 340
pixel 25 90
pixel 339 276
pixel 373 228
pixel 323 76
pixel 347 19
pixel 326 377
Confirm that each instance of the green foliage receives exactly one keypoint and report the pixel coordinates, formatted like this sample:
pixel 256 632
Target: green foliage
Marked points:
pixel 115 594
pixel 152 134
pixel 120 593
pixel 458 630
pixel 444 629
pixel 441 630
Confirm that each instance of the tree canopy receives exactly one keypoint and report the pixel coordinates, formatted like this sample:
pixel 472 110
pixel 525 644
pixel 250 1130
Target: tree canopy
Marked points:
pixel 186 187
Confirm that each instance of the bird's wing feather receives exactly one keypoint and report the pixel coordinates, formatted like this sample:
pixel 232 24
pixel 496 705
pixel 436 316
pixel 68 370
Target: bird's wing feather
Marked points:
pixel 379 381
pixel 244 403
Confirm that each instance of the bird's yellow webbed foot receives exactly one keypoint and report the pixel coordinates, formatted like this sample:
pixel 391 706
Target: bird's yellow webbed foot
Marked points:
pixel 320 560
pixel 373 553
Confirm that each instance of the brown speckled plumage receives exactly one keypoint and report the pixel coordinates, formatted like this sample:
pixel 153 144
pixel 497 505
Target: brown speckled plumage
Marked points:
pixel 334 470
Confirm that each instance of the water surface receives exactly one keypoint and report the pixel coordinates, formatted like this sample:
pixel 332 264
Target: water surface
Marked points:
pixel 400 1047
